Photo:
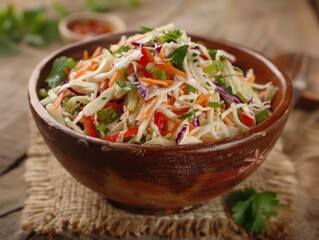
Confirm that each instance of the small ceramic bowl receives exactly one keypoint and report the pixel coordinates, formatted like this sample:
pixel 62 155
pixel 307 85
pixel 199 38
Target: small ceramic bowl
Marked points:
pixel 163 179
pixel 83 25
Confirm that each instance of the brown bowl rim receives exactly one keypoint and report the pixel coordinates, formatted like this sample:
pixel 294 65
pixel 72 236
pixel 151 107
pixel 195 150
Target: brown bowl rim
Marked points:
pixel 283 107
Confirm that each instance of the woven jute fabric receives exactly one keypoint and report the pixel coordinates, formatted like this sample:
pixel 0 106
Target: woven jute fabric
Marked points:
pixel 58 204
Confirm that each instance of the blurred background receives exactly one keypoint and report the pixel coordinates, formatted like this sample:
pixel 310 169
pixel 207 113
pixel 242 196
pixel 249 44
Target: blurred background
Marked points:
pixel 287 31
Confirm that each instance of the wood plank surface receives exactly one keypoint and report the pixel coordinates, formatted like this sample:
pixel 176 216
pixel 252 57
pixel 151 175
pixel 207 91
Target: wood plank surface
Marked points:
pixel 271 27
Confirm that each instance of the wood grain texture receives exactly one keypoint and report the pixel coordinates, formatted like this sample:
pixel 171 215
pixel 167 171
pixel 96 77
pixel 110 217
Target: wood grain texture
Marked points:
pixel 271 27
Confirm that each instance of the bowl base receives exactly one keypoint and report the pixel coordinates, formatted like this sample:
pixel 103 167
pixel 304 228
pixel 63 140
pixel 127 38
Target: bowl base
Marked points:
pixel 153 211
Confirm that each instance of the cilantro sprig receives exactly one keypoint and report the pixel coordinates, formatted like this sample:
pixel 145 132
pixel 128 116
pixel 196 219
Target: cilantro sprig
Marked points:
pixel 172 36
pixel 32 27
pixel 251 208
pixel 58 72
pixel 177 56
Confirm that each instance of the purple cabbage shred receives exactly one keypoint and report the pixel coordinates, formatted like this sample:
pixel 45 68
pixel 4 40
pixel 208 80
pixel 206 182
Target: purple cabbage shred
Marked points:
pixel 181 134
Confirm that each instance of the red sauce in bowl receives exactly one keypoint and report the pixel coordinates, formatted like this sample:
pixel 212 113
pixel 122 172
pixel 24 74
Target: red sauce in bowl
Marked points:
pixel 89 27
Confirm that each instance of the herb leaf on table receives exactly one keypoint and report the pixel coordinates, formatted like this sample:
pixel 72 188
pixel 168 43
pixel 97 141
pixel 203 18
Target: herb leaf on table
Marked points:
pixel 250 208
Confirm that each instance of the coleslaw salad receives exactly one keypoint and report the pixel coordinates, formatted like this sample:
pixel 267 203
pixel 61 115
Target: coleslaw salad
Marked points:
pixel 156 87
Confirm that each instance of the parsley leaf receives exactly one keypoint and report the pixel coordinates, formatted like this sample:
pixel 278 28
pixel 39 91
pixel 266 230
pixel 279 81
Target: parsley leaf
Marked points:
pixel 172 36
pixel 177 56
pixel 250 208
pixel 58 72
pixel 126 85
pixel 123 49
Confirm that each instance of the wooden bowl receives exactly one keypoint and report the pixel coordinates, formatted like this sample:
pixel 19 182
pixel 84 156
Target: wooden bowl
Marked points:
pixel 163 179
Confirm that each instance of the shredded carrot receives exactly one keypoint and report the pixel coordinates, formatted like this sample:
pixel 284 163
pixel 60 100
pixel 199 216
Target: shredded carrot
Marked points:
pixel 168 67
pixel 93 67
pixel 82 70
pixel 179 111
pixel 251 78
pixel 202 98
pixel 96 52
pixel 181 92
pixel 191 127
pixel 104 85
pixel 146 111
pixel 228 121
pixel 116 76
pixel 59 99
pixel 164 83
pixel 173 130
pixel 86 54
pixel 162 53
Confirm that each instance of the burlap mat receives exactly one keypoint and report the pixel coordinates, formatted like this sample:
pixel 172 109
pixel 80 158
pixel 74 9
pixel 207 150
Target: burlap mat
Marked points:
pixel 57 204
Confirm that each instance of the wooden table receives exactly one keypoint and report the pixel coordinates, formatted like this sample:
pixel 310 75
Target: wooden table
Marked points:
pixel 271 27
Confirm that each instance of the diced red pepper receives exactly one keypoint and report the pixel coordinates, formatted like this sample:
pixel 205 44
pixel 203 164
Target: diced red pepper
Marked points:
pixel 160 120
pixel 89 128
pixel 146 58
pixel 129 133
pixel 113 137
pixel 247 120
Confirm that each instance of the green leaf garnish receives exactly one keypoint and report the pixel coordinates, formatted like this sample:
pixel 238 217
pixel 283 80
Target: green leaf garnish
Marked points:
pixel 58 72
pixel 212 53
pixel 177 56
pixel 123 49
pixel 172 36
pixel 250 208
pixel 126 85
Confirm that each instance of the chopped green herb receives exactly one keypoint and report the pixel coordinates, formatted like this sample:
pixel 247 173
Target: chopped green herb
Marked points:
pixel 126 85
pixel 177 56
pixel 262 116
pixel 219 79
pixel 208 84
pixel 194 54
pixel 212 53
pixel 123 49
pixel 58 72
pixel 215 104
pixel 172 36
pixel 229 89
pixel 222 57
pixel 250 208
pixel 191 89
pixel 195 60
